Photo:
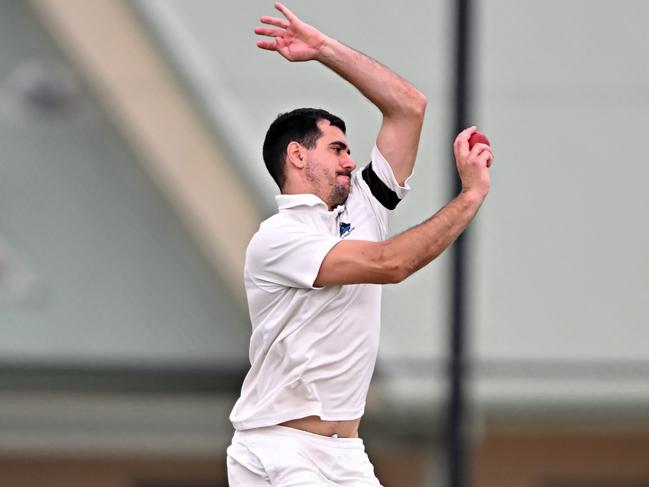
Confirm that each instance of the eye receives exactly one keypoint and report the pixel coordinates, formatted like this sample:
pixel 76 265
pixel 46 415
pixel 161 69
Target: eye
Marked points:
pixel 340 149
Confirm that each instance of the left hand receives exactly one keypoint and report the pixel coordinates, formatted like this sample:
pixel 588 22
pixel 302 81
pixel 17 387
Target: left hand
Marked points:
pixel 473 164
pixel 294 39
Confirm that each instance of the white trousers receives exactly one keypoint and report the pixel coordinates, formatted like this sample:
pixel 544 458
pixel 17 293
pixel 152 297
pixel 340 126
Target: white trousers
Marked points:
pixel 287 457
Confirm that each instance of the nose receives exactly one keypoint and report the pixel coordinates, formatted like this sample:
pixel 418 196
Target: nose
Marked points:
pixel 348 163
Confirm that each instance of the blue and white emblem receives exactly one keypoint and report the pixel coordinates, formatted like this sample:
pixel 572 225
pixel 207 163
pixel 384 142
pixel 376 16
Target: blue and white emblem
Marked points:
pixel 345 229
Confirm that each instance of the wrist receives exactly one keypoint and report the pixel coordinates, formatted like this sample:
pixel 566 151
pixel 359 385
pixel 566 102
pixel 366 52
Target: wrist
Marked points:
pixel 472 197
pixel 326 52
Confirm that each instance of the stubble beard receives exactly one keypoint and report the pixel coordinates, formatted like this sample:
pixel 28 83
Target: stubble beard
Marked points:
pixel 338 192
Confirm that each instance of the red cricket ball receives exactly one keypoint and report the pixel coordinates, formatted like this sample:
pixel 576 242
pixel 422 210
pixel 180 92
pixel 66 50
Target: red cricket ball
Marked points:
pixel 478 138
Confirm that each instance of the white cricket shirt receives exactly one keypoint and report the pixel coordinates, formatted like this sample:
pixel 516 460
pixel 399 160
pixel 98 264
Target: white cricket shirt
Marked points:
pixel 313 350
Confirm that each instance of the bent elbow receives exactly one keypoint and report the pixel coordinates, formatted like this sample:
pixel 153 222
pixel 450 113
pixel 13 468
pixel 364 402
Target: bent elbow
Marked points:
pixel 390 265
pixel 417 103
pixel 396 277
pixel 420 104
pixel 395 272
pixel 411 103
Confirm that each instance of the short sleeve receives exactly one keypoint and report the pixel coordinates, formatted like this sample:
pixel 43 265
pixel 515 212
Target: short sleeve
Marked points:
pixel 379 177
pixel 287 255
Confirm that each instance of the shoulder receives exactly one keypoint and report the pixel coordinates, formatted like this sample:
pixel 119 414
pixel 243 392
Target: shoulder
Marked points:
pixel 285 232
pixel 275 228
pixel 287 252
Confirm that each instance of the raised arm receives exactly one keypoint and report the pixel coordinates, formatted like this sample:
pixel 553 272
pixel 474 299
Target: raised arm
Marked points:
pixel 400 103
pixel 391 261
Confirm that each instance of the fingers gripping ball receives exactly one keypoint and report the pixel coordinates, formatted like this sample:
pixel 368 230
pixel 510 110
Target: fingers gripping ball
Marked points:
pixel 478 138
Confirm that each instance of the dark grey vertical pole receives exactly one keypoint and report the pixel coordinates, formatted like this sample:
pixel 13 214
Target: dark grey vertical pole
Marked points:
pixel 457 410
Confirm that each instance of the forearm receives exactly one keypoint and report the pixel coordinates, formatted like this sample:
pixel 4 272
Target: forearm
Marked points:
pixel 393 260
pixel 392 95
pixel 411 250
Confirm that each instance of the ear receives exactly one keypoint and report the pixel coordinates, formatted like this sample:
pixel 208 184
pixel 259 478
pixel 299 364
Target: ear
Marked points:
pixel 295 154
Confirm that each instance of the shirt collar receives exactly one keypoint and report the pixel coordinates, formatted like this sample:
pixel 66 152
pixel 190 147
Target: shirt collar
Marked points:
pixel 287 201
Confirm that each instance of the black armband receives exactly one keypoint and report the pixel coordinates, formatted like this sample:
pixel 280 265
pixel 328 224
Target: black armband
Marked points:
pixel 379 189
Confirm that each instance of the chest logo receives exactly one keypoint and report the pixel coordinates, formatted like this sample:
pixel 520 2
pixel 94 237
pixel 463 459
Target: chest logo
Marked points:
pixel 345 229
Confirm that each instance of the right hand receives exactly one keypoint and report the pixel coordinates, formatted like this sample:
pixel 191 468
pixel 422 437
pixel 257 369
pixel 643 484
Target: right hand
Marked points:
pixel 473 165
pixel 294 39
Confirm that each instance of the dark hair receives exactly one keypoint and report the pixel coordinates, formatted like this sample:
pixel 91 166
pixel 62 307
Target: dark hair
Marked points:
pixel 299 125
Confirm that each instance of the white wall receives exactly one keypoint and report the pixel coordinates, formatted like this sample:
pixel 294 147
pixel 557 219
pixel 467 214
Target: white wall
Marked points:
pixel 563 261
